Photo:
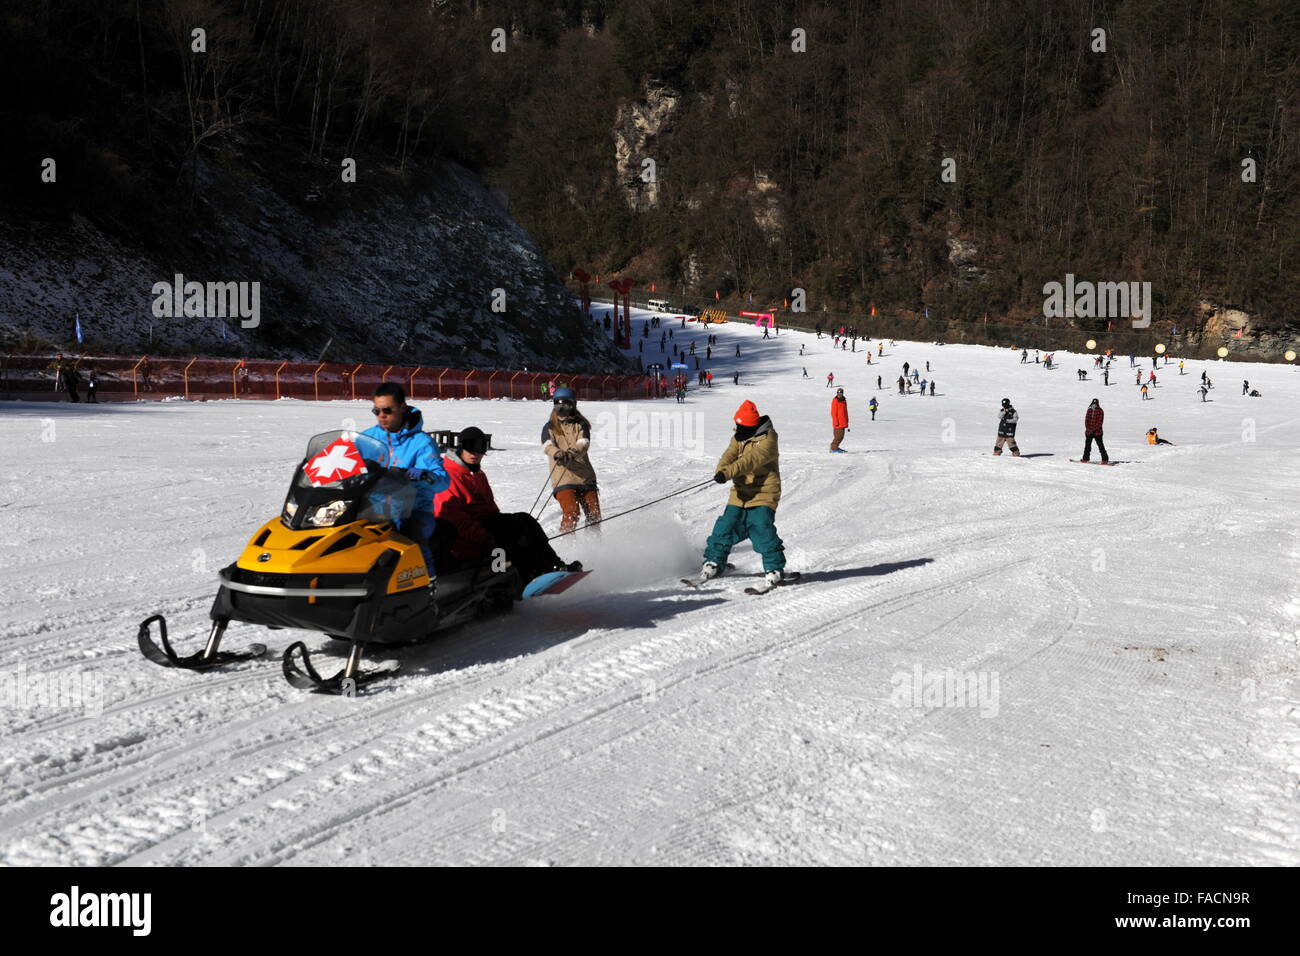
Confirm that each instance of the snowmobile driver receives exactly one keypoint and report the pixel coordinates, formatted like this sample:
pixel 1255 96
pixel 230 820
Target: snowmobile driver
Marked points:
pixel 401 429
pixel 468 507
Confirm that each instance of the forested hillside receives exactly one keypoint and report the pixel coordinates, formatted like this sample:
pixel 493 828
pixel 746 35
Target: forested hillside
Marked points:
pixel 792 144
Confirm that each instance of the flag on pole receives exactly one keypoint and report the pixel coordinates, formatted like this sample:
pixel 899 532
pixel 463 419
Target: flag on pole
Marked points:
pixel 715 294
pixel 927 313
pixel 79 339
pixel 223 332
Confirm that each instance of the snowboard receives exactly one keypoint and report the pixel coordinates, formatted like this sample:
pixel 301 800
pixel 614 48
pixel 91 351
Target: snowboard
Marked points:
pixel 553 582
pixel 1108 463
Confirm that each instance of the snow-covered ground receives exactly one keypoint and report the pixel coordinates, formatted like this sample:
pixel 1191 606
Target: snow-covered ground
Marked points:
pixel 1129 635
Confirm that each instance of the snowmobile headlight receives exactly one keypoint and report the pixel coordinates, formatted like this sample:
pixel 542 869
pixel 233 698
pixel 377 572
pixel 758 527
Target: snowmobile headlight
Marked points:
pixel 323 516
pixel 290 509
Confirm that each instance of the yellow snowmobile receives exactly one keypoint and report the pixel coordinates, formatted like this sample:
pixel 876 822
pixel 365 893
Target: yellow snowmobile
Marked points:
pixel 333 561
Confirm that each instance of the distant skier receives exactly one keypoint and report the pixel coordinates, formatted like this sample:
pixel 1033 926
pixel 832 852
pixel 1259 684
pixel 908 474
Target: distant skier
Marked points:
pixel 738 350
pixel 839 419
pixel 906 366
pixel 873 405
pixel 805 372
pixel 878 385
pixel 1180 366
pixel 72 382
pixel 735 378
pixel 1145 396
pixel 931 388
pixel 92 383
pixel 1153 437
pixel 1024 356
pixel 830 379
pixel 1092 431
pixel 1008 419
pixel 902 384
pixel 801 350
pixel 1105 375
pixel 566 441
pixel 1203 391
pixel 1245 387
pixel 752 463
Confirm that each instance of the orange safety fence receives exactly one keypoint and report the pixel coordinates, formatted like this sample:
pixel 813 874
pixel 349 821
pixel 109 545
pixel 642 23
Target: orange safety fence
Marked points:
pixel 121 378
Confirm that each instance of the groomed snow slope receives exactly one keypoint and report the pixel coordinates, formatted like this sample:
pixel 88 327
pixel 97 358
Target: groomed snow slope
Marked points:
pixel 1133 629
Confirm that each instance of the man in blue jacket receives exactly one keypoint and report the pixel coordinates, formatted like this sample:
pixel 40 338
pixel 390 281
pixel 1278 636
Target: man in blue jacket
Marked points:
pixel 401 429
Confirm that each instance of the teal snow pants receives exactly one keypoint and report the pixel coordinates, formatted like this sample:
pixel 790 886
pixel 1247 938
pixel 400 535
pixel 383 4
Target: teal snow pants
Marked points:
pixel 735 524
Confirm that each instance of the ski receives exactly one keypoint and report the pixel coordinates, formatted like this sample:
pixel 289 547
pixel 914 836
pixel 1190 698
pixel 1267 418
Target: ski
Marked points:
pixel 698 583
pixel 791 578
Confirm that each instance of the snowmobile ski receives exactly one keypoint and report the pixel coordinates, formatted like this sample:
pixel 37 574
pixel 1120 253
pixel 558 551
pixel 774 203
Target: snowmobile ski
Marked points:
pixel 791 578
pixel 210 656
pixel 345 683
pixel 553 582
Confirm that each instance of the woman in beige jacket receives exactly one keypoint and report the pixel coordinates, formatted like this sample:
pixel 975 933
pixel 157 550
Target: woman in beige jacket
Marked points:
pixel 566 440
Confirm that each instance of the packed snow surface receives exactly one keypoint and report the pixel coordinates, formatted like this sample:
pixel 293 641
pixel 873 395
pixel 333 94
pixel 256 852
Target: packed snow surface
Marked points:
pixel 1124 638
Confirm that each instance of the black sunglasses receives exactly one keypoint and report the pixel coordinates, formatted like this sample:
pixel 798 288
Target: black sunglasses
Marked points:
pixel 387 410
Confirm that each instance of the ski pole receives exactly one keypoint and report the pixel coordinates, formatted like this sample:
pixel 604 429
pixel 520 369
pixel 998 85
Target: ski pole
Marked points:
pixel 554 465
pixel 591 524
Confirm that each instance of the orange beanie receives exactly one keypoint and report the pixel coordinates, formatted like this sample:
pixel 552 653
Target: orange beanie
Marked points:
pixel 747 414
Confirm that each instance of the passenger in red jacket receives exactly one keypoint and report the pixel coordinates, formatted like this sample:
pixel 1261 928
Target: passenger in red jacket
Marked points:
pixel 1092 431
pixel 839 418
pixel 469 508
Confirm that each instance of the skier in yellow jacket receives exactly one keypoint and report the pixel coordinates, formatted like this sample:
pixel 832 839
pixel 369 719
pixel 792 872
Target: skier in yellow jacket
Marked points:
pixel 752 463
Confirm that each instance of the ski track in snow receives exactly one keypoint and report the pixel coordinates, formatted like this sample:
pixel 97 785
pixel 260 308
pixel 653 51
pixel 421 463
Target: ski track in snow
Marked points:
pixel 1142 624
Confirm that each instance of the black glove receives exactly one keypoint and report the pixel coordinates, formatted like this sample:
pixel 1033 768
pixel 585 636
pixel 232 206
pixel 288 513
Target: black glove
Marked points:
pixel 562 457
pixel 720 478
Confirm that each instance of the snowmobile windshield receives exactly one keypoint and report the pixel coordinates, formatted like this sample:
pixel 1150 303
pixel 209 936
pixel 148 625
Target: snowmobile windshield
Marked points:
pixel 345 477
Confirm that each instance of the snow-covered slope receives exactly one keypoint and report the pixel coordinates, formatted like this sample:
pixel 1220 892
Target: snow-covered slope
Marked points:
pixel 1131 631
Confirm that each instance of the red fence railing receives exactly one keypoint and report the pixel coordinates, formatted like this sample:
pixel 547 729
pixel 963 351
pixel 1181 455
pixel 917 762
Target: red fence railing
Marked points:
pixel 121 378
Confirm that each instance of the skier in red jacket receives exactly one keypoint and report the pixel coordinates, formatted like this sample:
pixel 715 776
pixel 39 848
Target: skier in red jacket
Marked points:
pixel 469 507
pixel 1092 431
pixel 839 419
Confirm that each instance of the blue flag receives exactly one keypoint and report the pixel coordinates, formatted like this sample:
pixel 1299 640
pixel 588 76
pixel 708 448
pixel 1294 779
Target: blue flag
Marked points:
pixel 223 331
pixel 79 340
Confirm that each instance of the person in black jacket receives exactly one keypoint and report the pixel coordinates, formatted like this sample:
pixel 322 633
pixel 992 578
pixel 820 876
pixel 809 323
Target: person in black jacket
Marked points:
pixel 1007 422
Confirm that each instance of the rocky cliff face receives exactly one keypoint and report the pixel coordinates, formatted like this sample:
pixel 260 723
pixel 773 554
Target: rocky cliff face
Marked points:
pixel 636 126
pixel 426 269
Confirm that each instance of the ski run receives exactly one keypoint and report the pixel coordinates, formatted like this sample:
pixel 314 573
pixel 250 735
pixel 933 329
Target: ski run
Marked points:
pixel 988 660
